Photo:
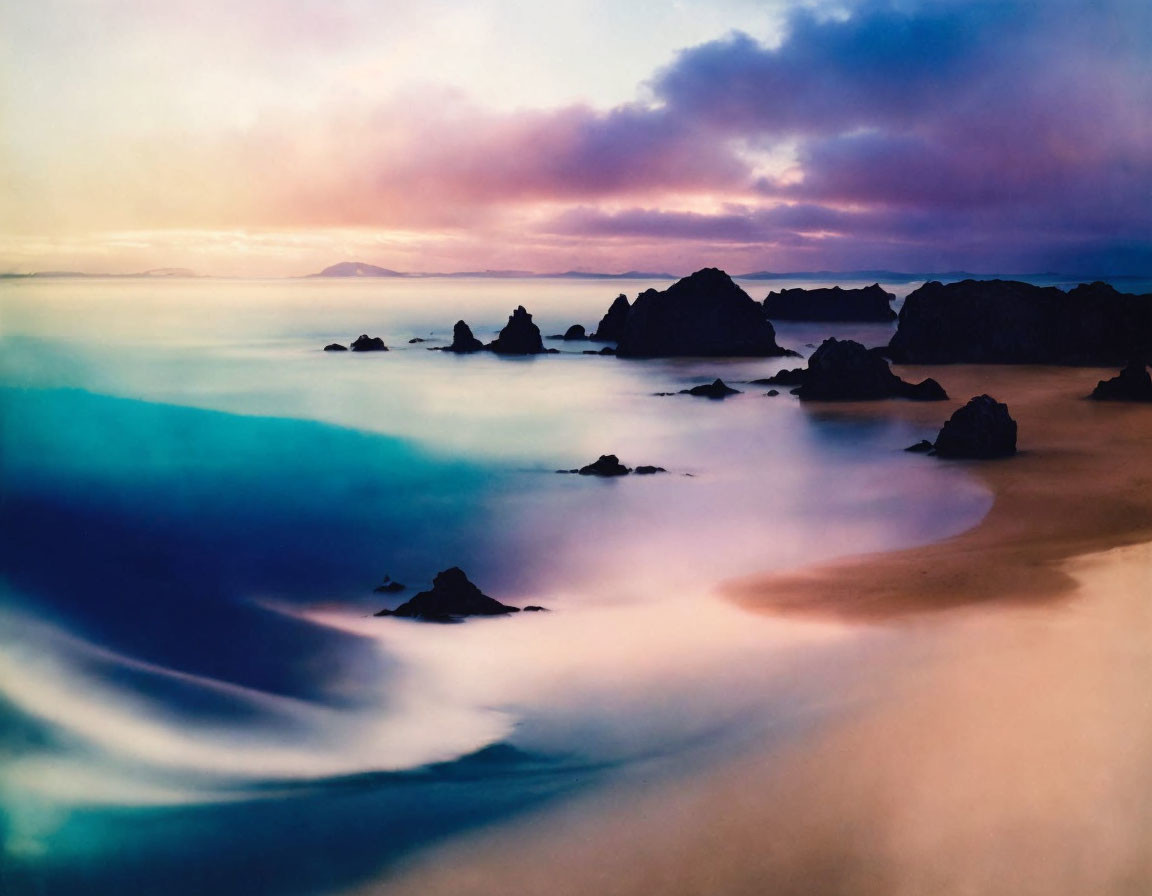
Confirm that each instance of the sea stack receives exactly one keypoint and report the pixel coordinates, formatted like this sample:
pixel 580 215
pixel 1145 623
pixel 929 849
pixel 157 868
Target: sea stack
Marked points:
pixel 611 326
pixel 871 303
pixel 463 342
pixel 703 315
pixel 982 429
pixel 452 596
pixel 519 337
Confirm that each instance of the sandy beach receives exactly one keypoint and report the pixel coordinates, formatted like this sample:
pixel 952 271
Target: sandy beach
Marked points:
pixel 998 746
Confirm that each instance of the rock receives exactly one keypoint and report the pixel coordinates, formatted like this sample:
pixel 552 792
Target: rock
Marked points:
pixel 982 428
pixel 647 470
pixel 365 343
pixel 389 586
pixel 843 370
pixel 771 393
pixel 532 608
pixel 463 342
pixel 705 315
pixel 793 377
pixel 921 447
pixel 572 334
pixel 611 326
pixel 607 465
pixel 835 304
pixel 607 350
pixel 714 389
pixel 414 340
pixel 335 347
pixel 452 596
pixel 1132 384
pixel 1009 322
pixel 519 337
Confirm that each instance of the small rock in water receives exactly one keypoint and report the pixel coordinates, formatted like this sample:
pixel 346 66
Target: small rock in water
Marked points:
pixel 452 596
pixel 532 608
pixel 463 342
pixel 388 586
pixel 921 447
pixel 771 393
pixel 335 347
pixel 648 470
pixel 416 339
pixel 607 465
pixel 714 389
pixel 366 343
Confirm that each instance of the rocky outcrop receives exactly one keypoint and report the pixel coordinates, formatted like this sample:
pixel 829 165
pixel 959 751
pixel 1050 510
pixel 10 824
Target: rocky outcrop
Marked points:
pixel 452 596
pixel 843 370
pixel 648 470
pixel 793 377
pixel 463 342
pixel 609 465
pixel 611 326
pixel 519 337
pixel 574 333
pixel 335 347
pixel 704 315
pixel 871 303
pixel 714 389
pixel 365 343
pixel 1009 322
pixel 1132 384
pixel 981 429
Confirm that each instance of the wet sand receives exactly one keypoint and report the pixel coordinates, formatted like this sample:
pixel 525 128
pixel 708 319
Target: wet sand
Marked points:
pixel 1002 747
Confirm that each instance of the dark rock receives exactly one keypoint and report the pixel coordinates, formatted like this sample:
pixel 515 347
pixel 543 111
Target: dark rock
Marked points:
pixel 532 608
pixel 519 337
pixel 335 347
pixel 365 343
pixel 705 315
pixel 714 389
pixel 647 470
pixel 607 465
pixel 771 393
pixel 921 447
pixel 389 586
pixel 843 370
pixel 1008 322
pixel 452 596
pixel 611 326
pixel 1132 384
pixel 793 377
pixel 463 342
pixel 415 340
pixel 574 333
pixel 835 304
pixel 982 428
pixel 795 391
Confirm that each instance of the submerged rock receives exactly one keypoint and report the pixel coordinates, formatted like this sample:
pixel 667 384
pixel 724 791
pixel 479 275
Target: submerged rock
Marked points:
pixel 574 333
pixel 705 315
pixel 772 393
pixel 335 347
pixel 843 370
pixel 452 596
pixel 871 303
pixel 415 339
pixel 921 447
pixel 607 465
pixel 715 389
pixel 648 470
pixel 519 337
pixel 463 342
pixel 611 326
pixel 983 428
pixel 1132 384
pixel 365 343
pixel 1009 322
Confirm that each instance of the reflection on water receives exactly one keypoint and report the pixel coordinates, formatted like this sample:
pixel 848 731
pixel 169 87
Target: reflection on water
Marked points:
pixel 198 501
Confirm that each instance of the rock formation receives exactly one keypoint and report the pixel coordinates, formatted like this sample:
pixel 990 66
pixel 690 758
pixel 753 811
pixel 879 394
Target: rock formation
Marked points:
pixel 871 303
pixel 365 343
pixel 611 326
pixel 574 333
pixel 1132 384
pixel 519 337
pixel 463 342
pixel 843 370
pixel 335 347
pixel 715 389
pixel 452 596
pixel 983 428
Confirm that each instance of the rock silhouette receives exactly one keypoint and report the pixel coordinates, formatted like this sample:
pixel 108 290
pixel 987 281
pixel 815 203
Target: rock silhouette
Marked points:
pixel 648 470
pixel 519 337
pixel 1009 322
pixel 365 343
pixel 574 333
pixel 607 465
pixel 335 347
pixel 463 342
pixel 452 596
pixel 982 429
pixel 611 326
pixel 715 389
pixel 871 303
pixel 1132 384
pixel 705 315
pixel 844 370
pixel 793 377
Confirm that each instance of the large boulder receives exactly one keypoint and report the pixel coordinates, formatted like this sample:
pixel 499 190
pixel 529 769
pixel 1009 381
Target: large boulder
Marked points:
pixel 983 428
pixel 463 342
pixel 1132 384
pixel 843 370
pixel 705 315
pixel 519 337
pixel 366 343
pixel 612 324
pixel 452 596
pixel 1009 322
pixel 871 303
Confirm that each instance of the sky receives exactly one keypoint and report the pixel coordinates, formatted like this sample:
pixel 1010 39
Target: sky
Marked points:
pixel 275 137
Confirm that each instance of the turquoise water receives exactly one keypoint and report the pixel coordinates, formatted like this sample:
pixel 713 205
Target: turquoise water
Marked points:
pixel 198 501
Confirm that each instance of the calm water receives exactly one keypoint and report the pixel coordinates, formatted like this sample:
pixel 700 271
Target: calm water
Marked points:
pixel 198 502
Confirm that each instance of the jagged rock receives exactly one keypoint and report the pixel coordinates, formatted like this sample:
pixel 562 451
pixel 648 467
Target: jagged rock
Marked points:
pixel 1132 384
pixel 648 470
pixel 983 428
pixel 607 465
pixel 714 389
pixel 611 326
pixel 705 315
pixel 921 447
pixel 335 347
pixel 365 343
pixel 574 333
pixel 463 342
pixel 1009 322
pixel 843 370
pixel 793 377
pixel 519 337
pixel 452 596
pixel 871 303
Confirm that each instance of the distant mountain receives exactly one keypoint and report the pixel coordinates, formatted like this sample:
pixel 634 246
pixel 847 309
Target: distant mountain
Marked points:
pixel 627 275
pixel 874 276
pixel 153 272
pixel 357 269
